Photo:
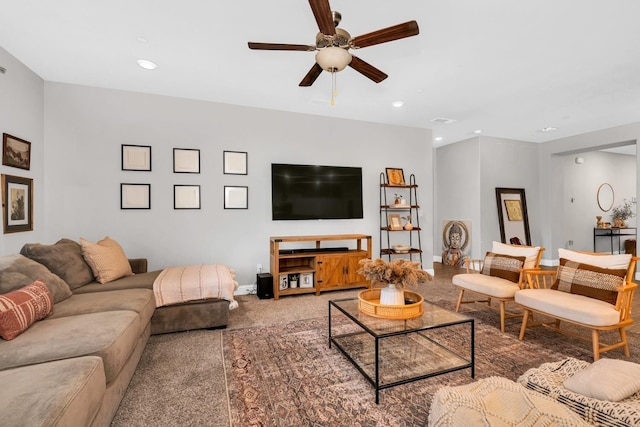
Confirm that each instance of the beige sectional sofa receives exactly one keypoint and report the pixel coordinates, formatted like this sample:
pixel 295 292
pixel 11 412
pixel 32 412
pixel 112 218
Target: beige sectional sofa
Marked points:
pixel 73 367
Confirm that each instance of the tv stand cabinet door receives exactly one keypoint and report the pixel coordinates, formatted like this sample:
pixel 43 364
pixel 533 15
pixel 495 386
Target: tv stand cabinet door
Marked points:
pixel 330 271
pixel 352 278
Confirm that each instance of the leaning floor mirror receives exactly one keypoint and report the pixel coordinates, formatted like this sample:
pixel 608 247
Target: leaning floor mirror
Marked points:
pixel 512 214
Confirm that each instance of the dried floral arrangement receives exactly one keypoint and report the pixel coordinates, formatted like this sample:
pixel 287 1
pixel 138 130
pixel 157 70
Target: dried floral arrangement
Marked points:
pixel 401 272
pixel 624 211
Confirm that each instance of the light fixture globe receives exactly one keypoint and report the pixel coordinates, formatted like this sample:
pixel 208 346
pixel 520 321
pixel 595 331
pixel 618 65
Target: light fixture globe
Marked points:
pixel 333 59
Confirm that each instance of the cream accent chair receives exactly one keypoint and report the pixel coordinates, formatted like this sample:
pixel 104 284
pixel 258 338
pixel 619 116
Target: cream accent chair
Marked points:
pixel 492 287
pixel 588 289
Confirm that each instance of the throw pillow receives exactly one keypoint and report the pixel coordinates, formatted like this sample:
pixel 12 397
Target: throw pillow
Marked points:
pixel 22 308
pixel 589 280
pixel 530 252
pixel 599 260
pixel 17 271
pixel 106 259
pixel 606 379
pixel 64 258
pixel 504 266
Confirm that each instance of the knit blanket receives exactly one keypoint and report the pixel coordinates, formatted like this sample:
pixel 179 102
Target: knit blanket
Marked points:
pixel 176 285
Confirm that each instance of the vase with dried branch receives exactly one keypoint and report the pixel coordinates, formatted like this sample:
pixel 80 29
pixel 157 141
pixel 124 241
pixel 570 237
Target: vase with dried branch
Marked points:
pixel 397 275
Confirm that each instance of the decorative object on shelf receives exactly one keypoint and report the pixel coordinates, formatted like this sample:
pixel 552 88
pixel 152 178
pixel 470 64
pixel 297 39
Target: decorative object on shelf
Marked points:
pixel 135 196
pixel 621 213
pixel 401 249
pixel 186 160
pixel 234 163
pixel 293 280
pixel 408 225
pixel 16 152
pixel 397 198
pixel 136 158
pixel 283 282
pixel 599 223
pixel 397 274
pixel 17 203
pixel 395 176
pixel 395 223
pixel 306 280
pixel 455 239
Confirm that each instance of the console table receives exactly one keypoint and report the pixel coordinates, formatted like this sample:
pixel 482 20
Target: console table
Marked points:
pixel 613 233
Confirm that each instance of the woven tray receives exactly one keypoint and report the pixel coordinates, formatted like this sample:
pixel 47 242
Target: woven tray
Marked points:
pixel 369 303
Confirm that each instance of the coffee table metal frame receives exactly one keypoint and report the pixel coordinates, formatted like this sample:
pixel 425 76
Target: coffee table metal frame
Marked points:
pixel 415 334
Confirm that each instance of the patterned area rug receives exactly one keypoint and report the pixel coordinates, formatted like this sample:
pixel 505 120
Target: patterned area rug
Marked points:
pixel 288 376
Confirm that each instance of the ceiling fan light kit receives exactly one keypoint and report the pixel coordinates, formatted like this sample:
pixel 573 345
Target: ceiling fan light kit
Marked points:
pixel 333 45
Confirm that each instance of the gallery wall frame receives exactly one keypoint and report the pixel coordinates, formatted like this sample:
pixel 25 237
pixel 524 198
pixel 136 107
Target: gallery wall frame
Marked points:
pixel 186 160
pixel 135 196
pixel 17 203
pixel 234 162
pixel 186 196
pixel 512 214
pixel 236 197
pixel 16 152
pixel 136 158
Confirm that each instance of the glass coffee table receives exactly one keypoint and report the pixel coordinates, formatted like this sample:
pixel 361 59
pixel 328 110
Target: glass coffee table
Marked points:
pixel 393 352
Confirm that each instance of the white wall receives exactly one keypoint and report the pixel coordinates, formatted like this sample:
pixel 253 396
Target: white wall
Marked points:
pixel 85 127
pixel 21 115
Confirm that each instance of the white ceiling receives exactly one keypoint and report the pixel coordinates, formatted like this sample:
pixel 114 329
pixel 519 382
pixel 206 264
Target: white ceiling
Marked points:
pixel 506 67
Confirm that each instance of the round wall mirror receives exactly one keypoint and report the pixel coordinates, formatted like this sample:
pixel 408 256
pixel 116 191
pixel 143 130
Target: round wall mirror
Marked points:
pixel 605 197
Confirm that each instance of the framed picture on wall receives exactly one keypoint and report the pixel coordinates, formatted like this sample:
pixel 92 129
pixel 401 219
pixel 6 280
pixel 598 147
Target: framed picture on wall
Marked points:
pixel 17 202
pixel 236 197
pixel 234 162
pixel 136 158
pixel 135 196
pixel 186 160
pixel 16 152
pixel 186 197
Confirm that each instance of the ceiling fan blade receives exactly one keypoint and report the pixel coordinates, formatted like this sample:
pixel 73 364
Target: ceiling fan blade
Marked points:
pixel 280 46
pixel 324 18
pixel 367 69
pixel 311 76
pixel 384 35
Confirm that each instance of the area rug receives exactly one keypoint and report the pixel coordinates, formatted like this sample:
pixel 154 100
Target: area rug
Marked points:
pixel 288 376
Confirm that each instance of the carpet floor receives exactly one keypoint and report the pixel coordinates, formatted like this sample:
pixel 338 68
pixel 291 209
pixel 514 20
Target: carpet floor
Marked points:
pixel 272 367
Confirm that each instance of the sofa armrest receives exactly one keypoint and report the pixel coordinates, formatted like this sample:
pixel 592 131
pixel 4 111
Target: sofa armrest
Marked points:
pixel 138 265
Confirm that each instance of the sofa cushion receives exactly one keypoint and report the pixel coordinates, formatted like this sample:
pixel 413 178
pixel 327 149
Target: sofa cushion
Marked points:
pixel 606 379
pixel 529 252
pixel 137 281
pixel 17 271
pixel 487 285
pixel 106 259
pixel 21 308
pixel 615 261
pixel 504 266
pixel 111 335
pixel 589 280
pixel 140 301
pixel 62 393
pixel 579 308
pixel 64 258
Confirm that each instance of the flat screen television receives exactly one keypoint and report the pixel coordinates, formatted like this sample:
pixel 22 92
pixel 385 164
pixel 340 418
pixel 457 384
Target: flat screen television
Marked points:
pixel 315 192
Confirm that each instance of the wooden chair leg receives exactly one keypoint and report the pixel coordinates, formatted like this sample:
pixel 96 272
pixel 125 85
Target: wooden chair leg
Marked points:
pixel 525 319
pixel 502 315
pixel 623 339
pixel 459 300
pixel 595 337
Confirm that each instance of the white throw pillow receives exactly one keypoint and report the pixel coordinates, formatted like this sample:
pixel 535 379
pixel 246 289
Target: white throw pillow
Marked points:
pixel 530 253
pixel 606 379
pixel 602 261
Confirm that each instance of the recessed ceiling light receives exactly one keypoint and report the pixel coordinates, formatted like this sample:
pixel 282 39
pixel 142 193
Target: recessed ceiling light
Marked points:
pixel 142 39
pixel 477 131
pixel 397 104
pixel 438 138
pixel 548 129
pixel 443 120
pixel 146 64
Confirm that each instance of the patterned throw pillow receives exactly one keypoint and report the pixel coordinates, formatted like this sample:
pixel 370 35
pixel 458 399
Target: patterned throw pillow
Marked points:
pixel 22 308
pixel 504 266
pixel 107 259
pixel 589 280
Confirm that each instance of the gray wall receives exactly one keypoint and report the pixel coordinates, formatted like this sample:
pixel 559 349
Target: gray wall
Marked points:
pixel 85 127
pixel 21 115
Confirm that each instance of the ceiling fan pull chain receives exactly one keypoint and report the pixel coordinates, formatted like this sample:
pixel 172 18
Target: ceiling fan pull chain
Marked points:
pixel 334 90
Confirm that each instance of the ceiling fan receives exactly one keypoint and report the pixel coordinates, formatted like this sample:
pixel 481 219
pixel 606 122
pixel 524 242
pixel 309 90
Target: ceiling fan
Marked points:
pixel 333 44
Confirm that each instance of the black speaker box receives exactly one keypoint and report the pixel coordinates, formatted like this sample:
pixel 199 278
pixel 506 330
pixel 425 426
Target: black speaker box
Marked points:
pixel 265 285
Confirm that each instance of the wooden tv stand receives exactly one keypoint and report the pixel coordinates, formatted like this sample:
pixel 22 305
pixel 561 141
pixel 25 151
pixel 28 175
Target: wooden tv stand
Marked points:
pixel 319 268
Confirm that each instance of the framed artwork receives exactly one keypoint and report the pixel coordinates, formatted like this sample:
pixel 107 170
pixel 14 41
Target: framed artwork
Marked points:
pixel 186 197
pixel 135 196
pixel 17 203
pixel 136 158
pixel 234 162
pixel 236 197
pixel 395 176
pixel 283 281
pixel 514 210
pixel 456 238
pixel 16 152
pixel 306 280
pixel 395 222
pixel 186 160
